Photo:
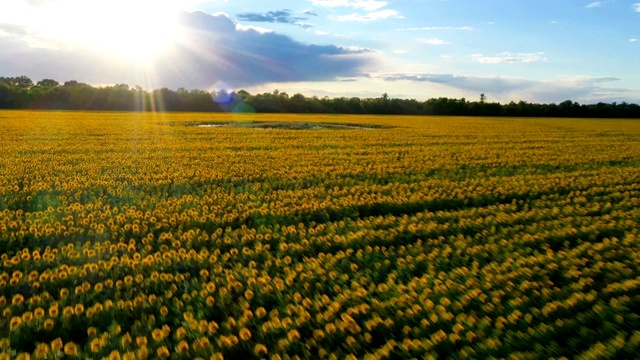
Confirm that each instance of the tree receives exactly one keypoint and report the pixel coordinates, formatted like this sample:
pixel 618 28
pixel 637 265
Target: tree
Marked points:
pixel 18 81
pixel 47 83
pixel 71 83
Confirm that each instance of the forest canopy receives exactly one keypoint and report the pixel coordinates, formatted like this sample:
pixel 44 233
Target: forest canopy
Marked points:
pixel 22 93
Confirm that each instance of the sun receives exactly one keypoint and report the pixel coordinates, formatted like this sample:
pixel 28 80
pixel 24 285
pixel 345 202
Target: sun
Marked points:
pixel 132 30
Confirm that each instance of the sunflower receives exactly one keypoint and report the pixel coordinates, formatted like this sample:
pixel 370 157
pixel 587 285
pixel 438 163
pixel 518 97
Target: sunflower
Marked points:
pixel 245 334
pixel 293 335
pixel 143 353
pixel 96 309
pixel 163 352
pixel 17 299
pixel 42 350
pixel 70 349
pixel 39 313
pixel 157 334
pixel 350 340
pixel 330 328
pixel 182 346
pixel 56 344
pixel 125 340
pixel 198 344
pixel 94 346
pixel 216 356
pixel 260 350
pixel 15 322
pixel 79 309
pixel 181 333
pixel 141 341
pixel 213 327
pixel 23 356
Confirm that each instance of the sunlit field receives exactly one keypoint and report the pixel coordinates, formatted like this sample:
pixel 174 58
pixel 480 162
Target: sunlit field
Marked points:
pixel 133 235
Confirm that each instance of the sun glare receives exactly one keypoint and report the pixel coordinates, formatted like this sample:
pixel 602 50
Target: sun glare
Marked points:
pixel 129 30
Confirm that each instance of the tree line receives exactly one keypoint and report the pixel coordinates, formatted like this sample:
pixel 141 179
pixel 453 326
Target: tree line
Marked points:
pixel 22 93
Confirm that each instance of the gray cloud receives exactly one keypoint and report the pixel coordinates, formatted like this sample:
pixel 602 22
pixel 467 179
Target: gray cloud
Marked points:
pixel 582 89
pixel 213 49
pixel 12 29
pixel 278 16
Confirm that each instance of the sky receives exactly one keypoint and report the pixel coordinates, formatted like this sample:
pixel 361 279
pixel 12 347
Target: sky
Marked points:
pixel 510 50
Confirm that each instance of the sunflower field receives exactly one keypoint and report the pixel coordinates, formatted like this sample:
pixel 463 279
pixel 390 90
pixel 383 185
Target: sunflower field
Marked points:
pixel 145 236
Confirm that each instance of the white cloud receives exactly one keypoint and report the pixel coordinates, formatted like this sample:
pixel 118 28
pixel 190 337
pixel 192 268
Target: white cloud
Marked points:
pixel 373 8
pixel 431 28
pixel 636 7
pixel 507 57
pixel 330 3
pixel 328 33
pixel 596 4
pixel 633 40
pixel 367 5
pixel 258 29
pixel 584 89
pixel 434 41
pixel 372 16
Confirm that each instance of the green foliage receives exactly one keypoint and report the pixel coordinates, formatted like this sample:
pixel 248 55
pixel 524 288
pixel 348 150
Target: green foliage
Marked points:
pixel 20 93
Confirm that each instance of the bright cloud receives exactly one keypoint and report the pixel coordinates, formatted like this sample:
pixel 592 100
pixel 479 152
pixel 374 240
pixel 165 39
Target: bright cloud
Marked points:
pixel 636 7
pixel 367 5
pixel 373 8
pixel 372 16
pixel 434 41
pixel 114 27
pixel 507 57
pixel 431 28
pixel 598 4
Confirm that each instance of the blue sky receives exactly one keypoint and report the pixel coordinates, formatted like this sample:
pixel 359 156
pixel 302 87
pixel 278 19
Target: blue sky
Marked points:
pixel 537 51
